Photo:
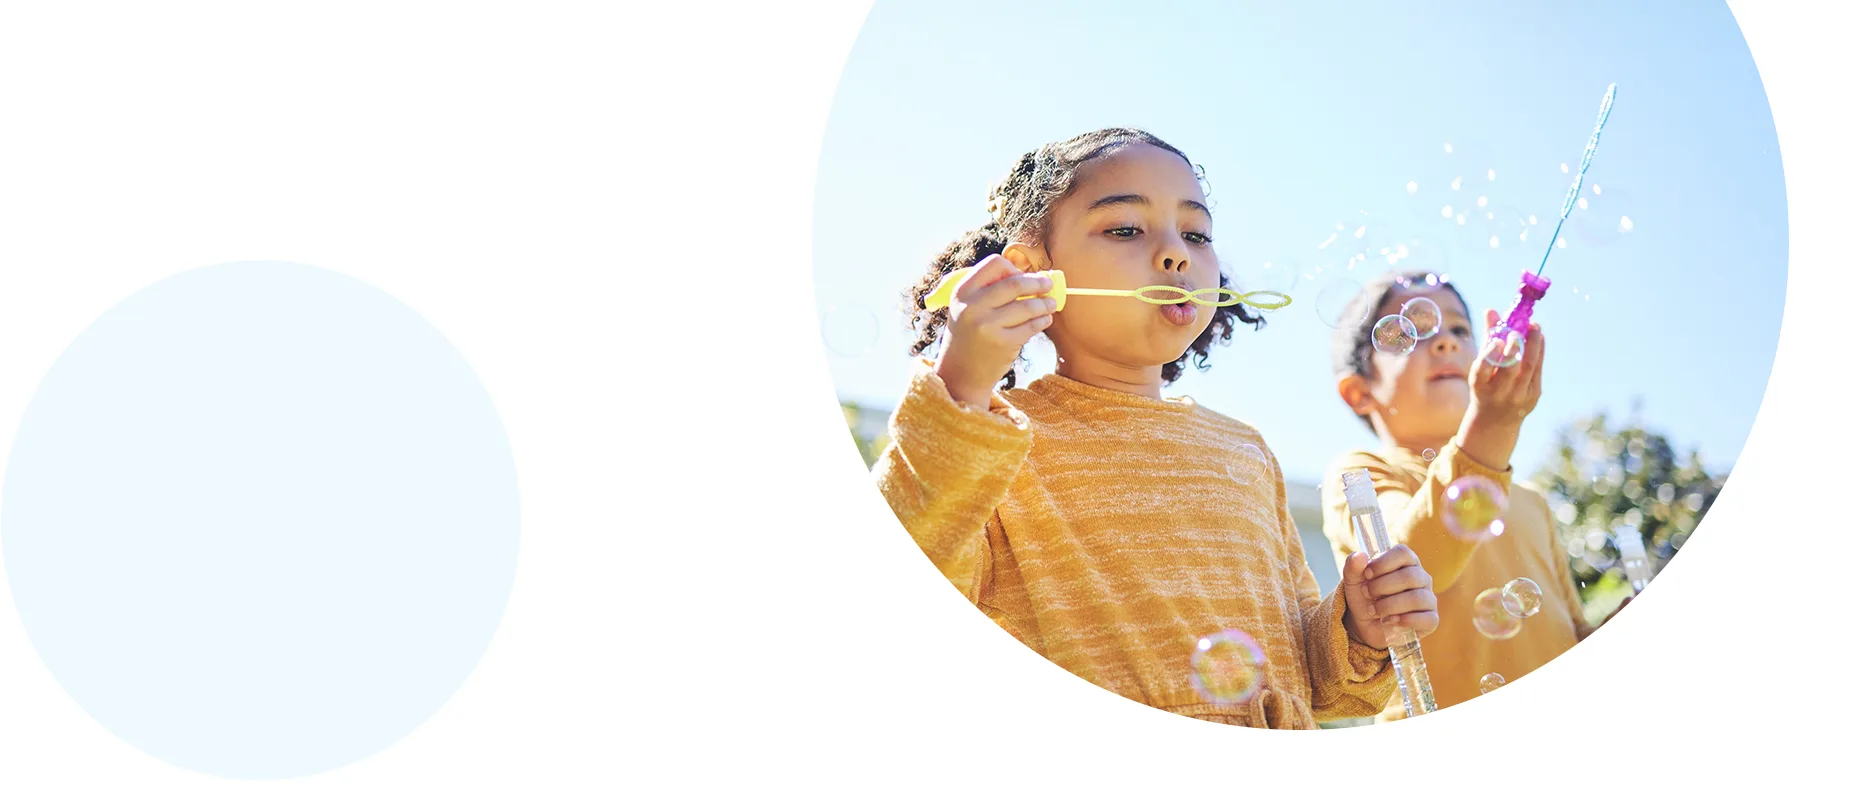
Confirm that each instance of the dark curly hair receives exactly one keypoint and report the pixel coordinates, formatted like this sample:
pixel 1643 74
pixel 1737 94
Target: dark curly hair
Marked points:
pixel 1021 205
pixel 1352 347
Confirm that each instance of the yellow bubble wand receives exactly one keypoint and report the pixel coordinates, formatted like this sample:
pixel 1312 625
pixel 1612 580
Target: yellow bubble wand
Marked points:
pixel 943 292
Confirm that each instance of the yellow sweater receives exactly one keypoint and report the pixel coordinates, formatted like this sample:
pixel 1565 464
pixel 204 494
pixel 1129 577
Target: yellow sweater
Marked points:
pixel 1103 530
pixel 1412 494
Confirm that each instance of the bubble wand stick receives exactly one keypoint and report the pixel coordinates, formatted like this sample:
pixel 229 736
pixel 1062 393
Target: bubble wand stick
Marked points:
pixel 1535 284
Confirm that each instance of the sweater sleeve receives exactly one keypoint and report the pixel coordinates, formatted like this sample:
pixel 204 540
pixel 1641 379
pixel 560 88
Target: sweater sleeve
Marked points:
pixel 1413 515
pixel 1348 679
pixel 946 468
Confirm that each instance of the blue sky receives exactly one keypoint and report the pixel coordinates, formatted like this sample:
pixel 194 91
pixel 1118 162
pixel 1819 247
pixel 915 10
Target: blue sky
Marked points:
pixel 1304 115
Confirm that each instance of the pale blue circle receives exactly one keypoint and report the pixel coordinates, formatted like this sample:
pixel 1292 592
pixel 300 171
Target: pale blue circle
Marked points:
pixel 260 520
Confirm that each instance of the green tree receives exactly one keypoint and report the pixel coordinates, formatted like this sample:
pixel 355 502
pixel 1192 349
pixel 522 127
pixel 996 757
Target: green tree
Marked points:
pixel 1601 476
pixel 870 447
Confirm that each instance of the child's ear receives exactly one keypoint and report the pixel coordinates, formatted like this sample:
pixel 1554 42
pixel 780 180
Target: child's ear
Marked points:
pixel 1354 391
pixel 1026 257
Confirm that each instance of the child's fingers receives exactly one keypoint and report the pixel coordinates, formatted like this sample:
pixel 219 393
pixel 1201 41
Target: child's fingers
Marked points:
pixel 1412 577
pixel 1024 311
pixel 1009 289
pixel 1408 602
pixel 1394 559
pixel 1355 568
pixel 1491 320
pixel 987 273
pixel 1025 331
pixel 1421 623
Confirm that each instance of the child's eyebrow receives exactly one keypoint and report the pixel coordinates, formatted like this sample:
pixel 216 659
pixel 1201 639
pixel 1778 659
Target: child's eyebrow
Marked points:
pixel 1139 200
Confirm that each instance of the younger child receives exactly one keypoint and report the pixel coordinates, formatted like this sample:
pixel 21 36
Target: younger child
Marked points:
pixel 1101 524
pixel 1442 413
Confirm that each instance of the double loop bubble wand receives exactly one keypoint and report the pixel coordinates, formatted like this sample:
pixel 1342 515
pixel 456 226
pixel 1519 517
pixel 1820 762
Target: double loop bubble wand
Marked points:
pixel 1512 331
pixel 943 292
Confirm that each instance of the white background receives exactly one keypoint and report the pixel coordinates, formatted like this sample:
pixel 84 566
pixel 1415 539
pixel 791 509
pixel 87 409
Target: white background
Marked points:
pixel 709 588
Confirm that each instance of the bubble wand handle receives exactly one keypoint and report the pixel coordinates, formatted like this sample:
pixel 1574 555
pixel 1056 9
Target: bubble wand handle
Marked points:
pixel 1365 515
pixel 1535 285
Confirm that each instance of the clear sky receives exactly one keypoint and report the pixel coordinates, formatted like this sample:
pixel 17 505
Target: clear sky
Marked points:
pixel 1306 114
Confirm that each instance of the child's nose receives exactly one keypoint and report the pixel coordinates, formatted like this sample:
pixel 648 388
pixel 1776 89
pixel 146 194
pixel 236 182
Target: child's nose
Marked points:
pixel 1174 265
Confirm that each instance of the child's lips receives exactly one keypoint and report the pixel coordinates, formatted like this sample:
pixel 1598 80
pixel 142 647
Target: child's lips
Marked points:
pixel 1180 314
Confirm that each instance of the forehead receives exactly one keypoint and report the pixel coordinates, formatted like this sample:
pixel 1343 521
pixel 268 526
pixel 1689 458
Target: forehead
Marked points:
pixel 1441 295
pixel 1137 168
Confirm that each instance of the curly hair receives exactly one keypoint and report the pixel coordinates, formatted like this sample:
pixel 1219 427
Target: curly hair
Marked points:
pixel 1352 347
pixel 1021 205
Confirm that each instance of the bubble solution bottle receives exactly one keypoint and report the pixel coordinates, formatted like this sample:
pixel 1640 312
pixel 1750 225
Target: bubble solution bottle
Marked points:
pixel 1365 517
pixel 1634 556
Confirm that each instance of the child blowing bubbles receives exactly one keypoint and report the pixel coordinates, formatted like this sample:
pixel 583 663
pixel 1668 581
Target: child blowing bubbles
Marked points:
pixel 1086 514
pixel 1442 397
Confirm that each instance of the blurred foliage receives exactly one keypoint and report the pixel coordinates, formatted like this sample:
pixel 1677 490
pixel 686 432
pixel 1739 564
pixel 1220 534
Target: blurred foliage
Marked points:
pixel 871 447
pixel 1603 475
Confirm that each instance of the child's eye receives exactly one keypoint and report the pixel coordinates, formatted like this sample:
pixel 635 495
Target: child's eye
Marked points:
pixel 1197 238
pixel 1462 331
pixel 1125 233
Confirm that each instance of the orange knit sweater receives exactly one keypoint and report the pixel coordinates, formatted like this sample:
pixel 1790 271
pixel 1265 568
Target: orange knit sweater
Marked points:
pixel 1413 495
pixel 1103 530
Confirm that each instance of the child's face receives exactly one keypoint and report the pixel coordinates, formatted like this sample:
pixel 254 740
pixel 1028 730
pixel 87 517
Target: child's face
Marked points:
pixel 1422 396
pixel 1135 218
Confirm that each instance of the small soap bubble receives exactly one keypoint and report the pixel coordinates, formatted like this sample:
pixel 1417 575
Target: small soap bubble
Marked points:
pixel 1247 464
pixel 1428 454
pixel 1276 274
pixel 1627 225
pixel 1228 667
pixel 1394 334
pixel 1343 302
pixel 1424 313
pixel 850 331
pixel 1475 509
pixel 1563 167
pixel 1490 617
pixel 1491 682
pixel 1523 598
pixel 1505 352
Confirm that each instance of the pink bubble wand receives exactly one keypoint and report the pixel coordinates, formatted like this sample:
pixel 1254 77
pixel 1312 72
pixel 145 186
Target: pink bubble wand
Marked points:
pixel 1535 285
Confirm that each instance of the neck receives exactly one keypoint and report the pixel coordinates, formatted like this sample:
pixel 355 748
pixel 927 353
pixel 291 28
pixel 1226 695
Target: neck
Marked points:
pixel 1111 375
pixel 1415 444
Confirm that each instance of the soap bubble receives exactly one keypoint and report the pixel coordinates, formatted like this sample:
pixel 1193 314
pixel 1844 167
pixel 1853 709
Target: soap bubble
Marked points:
pixel 850 331
pixel 1278 274
pixel 1247 464
pixel 1523 598
pixel 1394 334
pixel 1508 352
pixel 1424 313
pixel 1228 667
pixel 1343 302
pixel 1428 454
pixel 1509 229
pixel 1475 509
pixel 1602 215
pixel 1491 682
pixel 1491 618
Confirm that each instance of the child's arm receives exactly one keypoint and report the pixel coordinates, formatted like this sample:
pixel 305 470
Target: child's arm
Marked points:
pixel 945 470
pixel 1348 679
pixel 1413 519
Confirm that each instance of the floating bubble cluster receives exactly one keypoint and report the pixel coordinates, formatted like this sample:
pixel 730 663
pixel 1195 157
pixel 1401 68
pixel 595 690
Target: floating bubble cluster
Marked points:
pixel 1228 667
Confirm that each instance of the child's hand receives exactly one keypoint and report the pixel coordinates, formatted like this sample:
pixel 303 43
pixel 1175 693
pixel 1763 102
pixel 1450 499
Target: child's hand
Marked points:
pixel 1501 399
pixel 1391 589
pixel 987 326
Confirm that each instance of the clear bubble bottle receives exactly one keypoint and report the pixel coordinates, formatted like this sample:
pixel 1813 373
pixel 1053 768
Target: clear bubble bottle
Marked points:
pixel 1365 517
pixel 1628 543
